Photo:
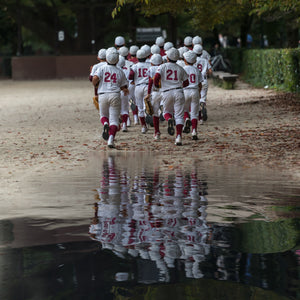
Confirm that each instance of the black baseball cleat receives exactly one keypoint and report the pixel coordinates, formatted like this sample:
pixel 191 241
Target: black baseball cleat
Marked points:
pixel 105 133
pixel 187 126
pixel 171 130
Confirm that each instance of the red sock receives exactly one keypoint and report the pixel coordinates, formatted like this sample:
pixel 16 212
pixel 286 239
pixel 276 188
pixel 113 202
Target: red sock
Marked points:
pixel 113 130
pixel 103 120
pixel 179 129
pixel 186 115
pixel 124 118
pixel 156 124
pixel 135 111
pixel 167 116
pixel 194 124
pixel 143 121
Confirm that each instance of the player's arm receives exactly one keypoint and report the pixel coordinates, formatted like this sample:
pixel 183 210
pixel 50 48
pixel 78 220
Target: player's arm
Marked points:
pixel 150 84
pixel 209 71
pixel 185 83
pixel 124 89
pixel 95 80
pixel 156 80
pixel 131 75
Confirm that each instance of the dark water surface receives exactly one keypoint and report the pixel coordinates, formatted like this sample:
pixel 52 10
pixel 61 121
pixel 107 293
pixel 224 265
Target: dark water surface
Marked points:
pixel 127 227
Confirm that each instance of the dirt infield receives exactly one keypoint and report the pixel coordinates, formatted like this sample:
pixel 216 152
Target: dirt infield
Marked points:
pixel 53 124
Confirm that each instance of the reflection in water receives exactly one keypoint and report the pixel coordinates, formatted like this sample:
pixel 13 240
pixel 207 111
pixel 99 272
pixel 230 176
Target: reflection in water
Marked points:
pixel 164 220
pixel 157 233
pixel 156 221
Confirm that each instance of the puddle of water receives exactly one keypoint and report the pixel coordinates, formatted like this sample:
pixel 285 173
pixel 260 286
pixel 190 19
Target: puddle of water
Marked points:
pixel 130 227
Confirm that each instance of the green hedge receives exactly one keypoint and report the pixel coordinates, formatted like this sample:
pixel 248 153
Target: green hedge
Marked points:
pixel 275 68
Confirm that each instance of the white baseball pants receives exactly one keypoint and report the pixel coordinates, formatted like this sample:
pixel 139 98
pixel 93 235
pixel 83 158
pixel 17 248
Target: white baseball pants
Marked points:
pixel 173 101
pixel 110 107
pixel 192 104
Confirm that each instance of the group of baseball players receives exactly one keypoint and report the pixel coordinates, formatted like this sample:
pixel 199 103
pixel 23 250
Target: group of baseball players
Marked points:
pixel 172 81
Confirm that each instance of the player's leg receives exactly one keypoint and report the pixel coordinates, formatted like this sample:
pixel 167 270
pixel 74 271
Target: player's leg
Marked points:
pixel 104 114
pixel 124 111
pixel 195 106
pixel 168 110
pixel 155 101
pixel 114 113
pixel 139 98
pixel 187 104
pixel 178 114
pixel 203 101
pixel 133 106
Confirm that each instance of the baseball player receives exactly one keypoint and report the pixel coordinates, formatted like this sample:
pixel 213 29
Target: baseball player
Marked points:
pixel 154 92
pixel 132 58
pixel 147 49
pixel 155 49
pixel 172 78
pixel 132 54
pixel 123 51
pixel 167 46
pixel 188 42
pixel 180 61
pixel 102 60
pixel 111 80
pixel 191 94
pixel 139 74
pixel 119 42
pixel 197 40
pixel 124 98
pixel 160 41
pixel 205 68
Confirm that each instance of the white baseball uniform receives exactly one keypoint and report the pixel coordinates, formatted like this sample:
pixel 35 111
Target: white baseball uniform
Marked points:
pixel 191 92
pixel 111 78
pixel 155 93
pixel 203 65
pixel 140 71
pixel 172 77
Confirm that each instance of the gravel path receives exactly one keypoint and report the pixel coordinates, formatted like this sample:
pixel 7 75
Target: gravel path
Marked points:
pixel 48 125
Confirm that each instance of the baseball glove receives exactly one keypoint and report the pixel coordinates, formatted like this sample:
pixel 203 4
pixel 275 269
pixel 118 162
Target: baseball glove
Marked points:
pixel 95 101
pixel 148 106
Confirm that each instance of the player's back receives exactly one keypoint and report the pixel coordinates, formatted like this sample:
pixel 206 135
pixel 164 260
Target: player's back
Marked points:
pixel 203 65
pixel 172 75
pixel 141 73
pixel 111 79
pixel 195 77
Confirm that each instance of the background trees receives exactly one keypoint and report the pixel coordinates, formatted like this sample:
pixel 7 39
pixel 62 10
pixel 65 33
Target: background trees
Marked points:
pixel 32 26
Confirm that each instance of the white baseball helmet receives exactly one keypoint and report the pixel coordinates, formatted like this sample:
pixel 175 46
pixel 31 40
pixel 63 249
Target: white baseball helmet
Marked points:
pixel 119 41
pixel 168 45
pixel 133 49
pixel 181 51
pixel 121 62
pixel 112 56
pixel 156 59
pixel 141 54
pixel 123 51
pixel 197 40
pixel 102 54
pixel 147 49
pixel 173 54
pixel 188 41
pixel 198 49
pixel 159 41
pixel 190 57
pixel 155 49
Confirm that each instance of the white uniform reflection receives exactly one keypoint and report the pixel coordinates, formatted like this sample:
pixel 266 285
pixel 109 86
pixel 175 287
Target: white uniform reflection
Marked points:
pixel 162 220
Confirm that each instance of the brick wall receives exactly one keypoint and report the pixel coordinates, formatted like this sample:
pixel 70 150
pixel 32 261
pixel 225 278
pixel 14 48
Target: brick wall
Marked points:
pixel 51 67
